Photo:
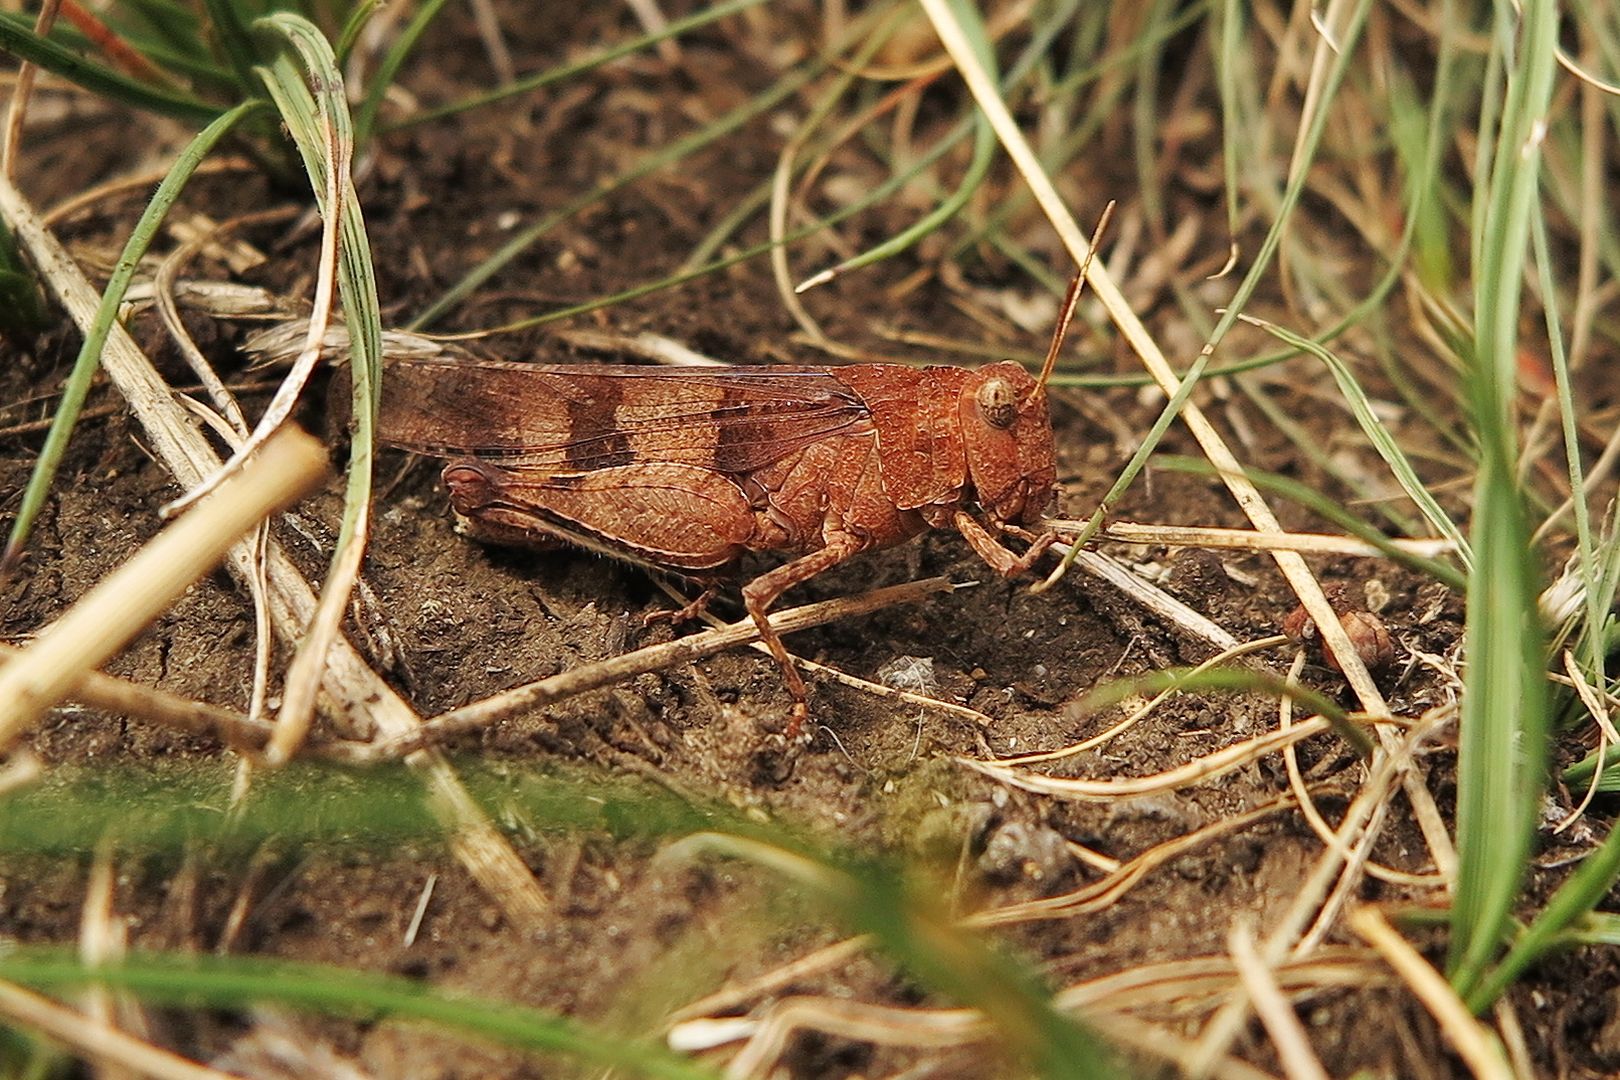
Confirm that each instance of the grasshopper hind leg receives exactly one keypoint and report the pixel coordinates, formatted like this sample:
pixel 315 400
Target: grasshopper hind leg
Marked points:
pixel 760 593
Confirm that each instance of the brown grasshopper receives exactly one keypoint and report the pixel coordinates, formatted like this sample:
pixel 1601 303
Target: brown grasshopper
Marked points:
pixel 687 469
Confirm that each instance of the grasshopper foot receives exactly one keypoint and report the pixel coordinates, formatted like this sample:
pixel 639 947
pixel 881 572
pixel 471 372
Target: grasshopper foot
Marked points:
pixel 681 615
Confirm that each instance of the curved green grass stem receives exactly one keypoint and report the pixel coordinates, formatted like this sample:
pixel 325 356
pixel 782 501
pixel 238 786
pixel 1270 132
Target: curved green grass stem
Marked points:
pixel 77 387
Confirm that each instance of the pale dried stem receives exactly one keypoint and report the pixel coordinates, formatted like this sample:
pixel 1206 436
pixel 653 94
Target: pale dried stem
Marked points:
pixel 490 33
pixel 1598 707
pixel 163 295
pixel 867 686
pixel 17 112
pixel 355 688
pixel 1106 891
pixel 1307 805
pixel 250 735
pixel 882 1025
pixel 1299 1061
pixel 781 182
pixel 1594 479
pixel 99 1042
pixel 1248 540
pixel 855 682
pixel 1472 1040
pixel 286 397
pixel 102 940
pixel 1144 711
pixel 139 183
pixel 937 1029
pixel 652 21
pixel 1360 825
pixel 1102 1003
pixel 224 401
pixel 649 346
pixel 1594 198
pixel 1513 1040
pixel 1207 767
pixel 1158 1041
pixel 1429 820
pixel 305 673
pixel 125 601
pixel 22 769
pixel 1160 603
pixel 1199 980
pixel 160 707
pixel 732 997
pixel 530 696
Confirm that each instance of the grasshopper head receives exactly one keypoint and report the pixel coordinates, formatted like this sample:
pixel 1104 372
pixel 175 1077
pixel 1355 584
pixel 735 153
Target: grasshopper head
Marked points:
pixel 1008 439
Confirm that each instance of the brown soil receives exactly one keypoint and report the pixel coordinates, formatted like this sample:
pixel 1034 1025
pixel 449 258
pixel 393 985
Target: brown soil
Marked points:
pixel 630 937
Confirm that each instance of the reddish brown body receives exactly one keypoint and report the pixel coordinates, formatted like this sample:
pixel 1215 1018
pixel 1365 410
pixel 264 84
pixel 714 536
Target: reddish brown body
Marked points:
pixel 687 469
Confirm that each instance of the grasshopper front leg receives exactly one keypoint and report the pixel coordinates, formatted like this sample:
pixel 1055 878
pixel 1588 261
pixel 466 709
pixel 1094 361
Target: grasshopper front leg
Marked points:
pixel 759 594
pixel 989 549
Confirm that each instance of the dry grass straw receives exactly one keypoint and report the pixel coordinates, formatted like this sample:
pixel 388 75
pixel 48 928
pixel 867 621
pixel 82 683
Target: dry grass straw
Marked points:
pixel 1291 563
pixel 1142 712
pixel 1110 1003
pixel 105 619
pixel 1161 604
pixel 103 939
pixel 97 1041
pixel 526 698
pixel 356 689
pixel 126 698
pixel 17 109
pixel 1204 536
pixel 1322 894
pixel 1199 769
pixel 1299 1061
pixel 923 1029
pixel 138 183
pixel 1106 891
pixel 1474 1042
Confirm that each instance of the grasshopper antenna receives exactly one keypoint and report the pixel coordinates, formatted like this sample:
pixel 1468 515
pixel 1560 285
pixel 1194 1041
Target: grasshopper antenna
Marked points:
pixel 1066 315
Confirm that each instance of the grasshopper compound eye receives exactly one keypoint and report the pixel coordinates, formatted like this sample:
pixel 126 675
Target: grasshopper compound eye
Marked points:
pixel 997 402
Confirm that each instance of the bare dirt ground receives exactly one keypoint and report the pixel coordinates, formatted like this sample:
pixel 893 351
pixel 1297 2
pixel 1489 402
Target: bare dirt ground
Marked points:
pixel 630 938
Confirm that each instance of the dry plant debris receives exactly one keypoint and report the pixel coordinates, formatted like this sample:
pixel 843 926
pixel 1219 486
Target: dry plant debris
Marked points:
pixel 1204 874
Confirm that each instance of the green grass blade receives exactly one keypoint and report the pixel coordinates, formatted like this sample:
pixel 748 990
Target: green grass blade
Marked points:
pixel 1588 886
pixel 1377 434
pixel 21 41
pixel 227 28
pixel 984 152
pixel 731 121
pixel 389 67
pixel 675 28
pixel 358 18
pixel 22 310
pixel 84 368
pixel 1251 281
pixel 680 277
pixel 323 133
pixel 1504 728
pixel 239 981
pixel 157 810
pixel 192 60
